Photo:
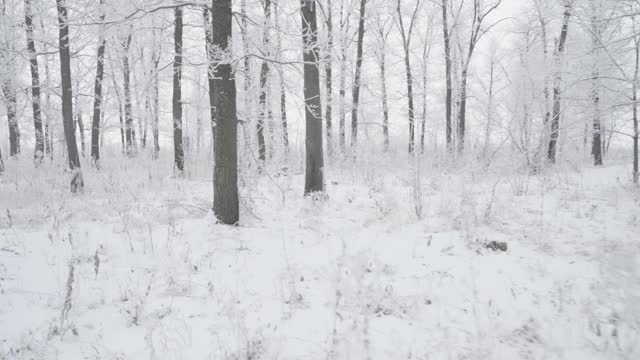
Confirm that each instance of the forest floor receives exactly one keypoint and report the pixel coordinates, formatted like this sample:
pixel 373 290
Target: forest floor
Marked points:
pixel 136 268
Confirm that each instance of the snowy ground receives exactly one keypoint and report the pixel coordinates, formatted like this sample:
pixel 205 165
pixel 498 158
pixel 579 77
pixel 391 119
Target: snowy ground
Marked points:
pixel 136 268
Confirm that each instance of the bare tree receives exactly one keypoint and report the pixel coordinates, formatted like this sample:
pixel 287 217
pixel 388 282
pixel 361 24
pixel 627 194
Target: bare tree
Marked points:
pixel 222 95
pixel 38 154
pixel 130 137
pixel 477 32
pixel 97 93
pixel 314 181
pixel 448 62
pixel 559 52
pixel 178 150
pixel 67 98
pixel 356 81
pixel 406 44
pixel 264 77
pixel 383 35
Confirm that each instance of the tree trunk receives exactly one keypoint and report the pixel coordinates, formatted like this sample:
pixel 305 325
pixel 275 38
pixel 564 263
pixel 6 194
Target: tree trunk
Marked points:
pixel 130 140
pixel 222 95
pixel 407 66
pixel 356 81
pixel 35 84
pixel 80 130
pixel 264 76
pixel 385 103
pixel 67 98
pixel 328 73
pixel 314 181
pixel 555 120
pixel 447 61
pixel 97 97
pixel 343 73
pixel 178 150
pixel 634 102
pixel 14 130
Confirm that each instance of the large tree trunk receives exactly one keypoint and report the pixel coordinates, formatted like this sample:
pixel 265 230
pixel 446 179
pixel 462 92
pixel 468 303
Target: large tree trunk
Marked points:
pixel 447 61
pixel 130 138
pixel 67 98
pixel 555 120
pixel 596 144
pixel 314 181
pixel 35 84
pixel 356 81
pixel 222 95
pixel 264 76
pixel 178 151
pixel 97 94
pixel 80 129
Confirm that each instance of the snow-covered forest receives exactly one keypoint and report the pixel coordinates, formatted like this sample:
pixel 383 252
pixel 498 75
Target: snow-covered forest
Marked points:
pixel 319 179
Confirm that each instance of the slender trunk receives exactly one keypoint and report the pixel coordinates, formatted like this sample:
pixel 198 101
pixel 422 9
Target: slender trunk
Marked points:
pixel 555 121
pixel 328 72
pixel 222 95
pixel 128 112
pixel 155 107
pixel 97 97
pixel 178 150
pixel 314 181
pixel 264 76
pixel 1 163
pixel 67 98
pixel 425 58
pixel 407 66
pixel 283 93
pixel 81 131
pixel 634 102
pixel 343 73
pixel 248 80
pixel 487 129
pixel 596 144
pixel 356 82
pixel 35 84
pixel 447 61
pixel 385 103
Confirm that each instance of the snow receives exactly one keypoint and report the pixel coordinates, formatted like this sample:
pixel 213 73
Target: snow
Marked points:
pixel 354 276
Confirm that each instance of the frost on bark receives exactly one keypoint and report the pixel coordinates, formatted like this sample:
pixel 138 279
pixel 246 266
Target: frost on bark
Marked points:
pixel 178 150
pixel 556 111
pixel 97 94
pixel 38 154
pixel 222 95
pixel 314 159
pixel 67 98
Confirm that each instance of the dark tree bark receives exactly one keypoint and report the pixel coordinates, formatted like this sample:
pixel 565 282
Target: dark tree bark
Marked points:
pixel 314 181
pixel 97 94
pixel 38 154
pixel 222 95
pixel 356 81
pixel 447 62
pixel 555 120
pixel 178 150
pixel 406 42
pixel 264 76
pixel 67 98
pixel 11 102
pixel 130 138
